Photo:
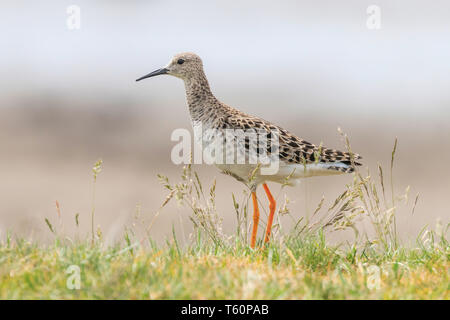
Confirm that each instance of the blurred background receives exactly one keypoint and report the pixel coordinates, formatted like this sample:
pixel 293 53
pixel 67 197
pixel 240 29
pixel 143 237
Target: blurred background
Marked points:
pixel 68 97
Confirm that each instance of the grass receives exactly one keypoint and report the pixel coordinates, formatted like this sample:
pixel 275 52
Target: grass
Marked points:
pixel 296 269
pixel 298 263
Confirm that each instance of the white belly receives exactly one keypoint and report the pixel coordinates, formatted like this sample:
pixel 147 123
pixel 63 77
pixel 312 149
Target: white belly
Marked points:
pixel 286 173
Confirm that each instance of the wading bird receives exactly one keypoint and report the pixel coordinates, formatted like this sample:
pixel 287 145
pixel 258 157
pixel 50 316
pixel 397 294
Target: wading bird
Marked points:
pixel 296 157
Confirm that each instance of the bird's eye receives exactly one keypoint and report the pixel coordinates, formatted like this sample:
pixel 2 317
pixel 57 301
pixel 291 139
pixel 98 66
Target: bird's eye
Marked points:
pixel 180 61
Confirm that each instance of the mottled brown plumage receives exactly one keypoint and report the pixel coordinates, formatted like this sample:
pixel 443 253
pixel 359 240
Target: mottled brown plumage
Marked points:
pixel 292 148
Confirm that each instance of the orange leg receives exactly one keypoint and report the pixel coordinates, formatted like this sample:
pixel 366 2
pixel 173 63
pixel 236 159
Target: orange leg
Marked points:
pixel 272 206
pixel 255 219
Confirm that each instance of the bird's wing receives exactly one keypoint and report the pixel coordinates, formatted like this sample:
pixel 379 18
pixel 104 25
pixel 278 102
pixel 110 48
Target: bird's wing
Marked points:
pixel 292 149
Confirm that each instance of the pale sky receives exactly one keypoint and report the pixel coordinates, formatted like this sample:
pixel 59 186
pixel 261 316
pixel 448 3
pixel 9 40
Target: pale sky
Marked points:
pixel 317 53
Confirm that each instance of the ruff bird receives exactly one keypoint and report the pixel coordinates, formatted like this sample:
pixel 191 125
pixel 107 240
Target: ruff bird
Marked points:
pixel 295 157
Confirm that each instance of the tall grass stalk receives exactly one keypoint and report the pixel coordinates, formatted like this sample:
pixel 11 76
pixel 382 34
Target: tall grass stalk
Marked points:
pixel 98 166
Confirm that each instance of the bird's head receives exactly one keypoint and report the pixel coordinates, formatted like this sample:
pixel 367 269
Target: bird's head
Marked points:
pixel 184 65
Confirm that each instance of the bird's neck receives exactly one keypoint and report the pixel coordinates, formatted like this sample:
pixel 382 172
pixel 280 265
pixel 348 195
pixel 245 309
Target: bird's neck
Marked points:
pixel 201 102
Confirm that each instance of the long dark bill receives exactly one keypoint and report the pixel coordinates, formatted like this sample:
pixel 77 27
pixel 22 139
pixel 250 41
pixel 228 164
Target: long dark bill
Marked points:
pixel 154 73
